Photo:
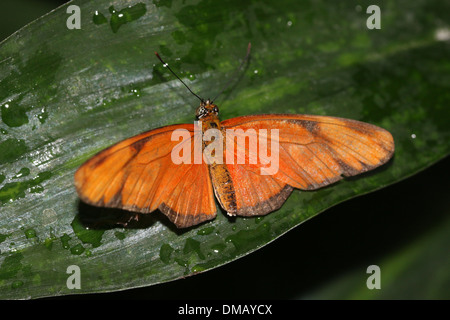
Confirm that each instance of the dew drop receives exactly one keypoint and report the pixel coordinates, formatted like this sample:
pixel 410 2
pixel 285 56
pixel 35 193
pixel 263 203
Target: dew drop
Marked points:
pixel 205 231
pixel 129 14
pixel 30 233
pixel 77 249
pixel 65 241
pixel 99 18
pixel 181 262
pixel 17 284
pixel 48 243
pixel 22 173
pixel 217 248
pixel 119 235
pixel 192 245
pixel 165 252
pixel 198 268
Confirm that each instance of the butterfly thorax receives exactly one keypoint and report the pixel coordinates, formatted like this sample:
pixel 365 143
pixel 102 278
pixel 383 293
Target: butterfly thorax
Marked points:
pixel 208 114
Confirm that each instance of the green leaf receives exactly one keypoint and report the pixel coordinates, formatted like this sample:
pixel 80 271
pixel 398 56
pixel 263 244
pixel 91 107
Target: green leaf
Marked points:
pixel 66 94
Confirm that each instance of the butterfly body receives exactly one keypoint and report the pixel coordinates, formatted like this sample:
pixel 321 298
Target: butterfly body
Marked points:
pixel 222 183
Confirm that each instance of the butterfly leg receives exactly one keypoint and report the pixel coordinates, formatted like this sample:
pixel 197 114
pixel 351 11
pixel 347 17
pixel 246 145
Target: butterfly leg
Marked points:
pixel 133 217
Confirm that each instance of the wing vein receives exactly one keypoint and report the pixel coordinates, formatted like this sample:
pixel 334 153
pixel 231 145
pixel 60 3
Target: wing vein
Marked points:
pixel 318 158
pixel 369 150
pixel 300 167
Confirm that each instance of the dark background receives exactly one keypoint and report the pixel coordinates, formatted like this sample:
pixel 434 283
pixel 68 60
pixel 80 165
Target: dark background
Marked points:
pixel 334 244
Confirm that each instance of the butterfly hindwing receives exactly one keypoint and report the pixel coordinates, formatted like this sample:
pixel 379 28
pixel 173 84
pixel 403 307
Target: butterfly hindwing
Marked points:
pixel 138 174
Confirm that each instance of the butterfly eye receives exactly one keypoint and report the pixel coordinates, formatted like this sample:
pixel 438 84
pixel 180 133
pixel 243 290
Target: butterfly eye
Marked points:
pixel 216 109
pixel 201 112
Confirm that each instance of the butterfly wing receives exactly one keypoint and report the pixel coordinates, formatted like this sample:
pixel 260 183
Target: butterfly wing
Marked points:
pixel 313 151
pixel 138 175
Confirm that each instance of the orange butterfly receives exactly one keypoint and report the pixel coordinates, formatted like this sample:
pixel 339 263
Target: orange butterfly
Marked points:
pixel 139 174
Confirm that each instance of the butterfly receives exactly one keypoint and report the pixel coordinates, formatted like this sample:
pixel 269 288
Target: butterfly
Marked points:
pixel 140 175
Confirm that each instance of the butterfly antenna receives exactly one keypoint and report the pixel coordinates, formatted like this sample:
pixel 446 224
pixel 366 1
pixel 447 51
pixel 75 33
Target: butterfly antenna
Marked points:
pixel 232 79
pixel 167 66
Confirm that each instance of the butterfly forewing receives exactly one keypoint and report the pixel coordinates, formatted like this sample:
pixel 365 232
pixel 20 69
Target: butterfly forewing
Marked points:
pixel 139 174
pixel 313 151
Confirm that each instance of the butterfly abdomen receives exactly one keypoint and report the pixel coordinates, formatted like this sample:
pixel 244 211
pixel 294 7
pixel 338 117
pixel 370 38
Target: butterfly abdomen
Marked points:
pixel 220 176
pixel 223 187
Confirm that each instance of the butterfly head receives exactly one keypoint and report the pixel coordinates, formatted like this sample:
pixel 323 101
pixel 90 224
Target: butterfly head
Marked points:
pixel 207 109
